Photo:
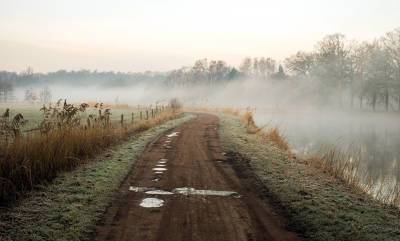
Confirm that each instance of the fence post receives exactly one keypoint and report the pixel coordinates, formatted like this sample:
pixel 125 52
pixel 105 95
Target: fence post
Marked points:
pixel 141 115
pixel 122 119
pixel 132 118
pixel 147 114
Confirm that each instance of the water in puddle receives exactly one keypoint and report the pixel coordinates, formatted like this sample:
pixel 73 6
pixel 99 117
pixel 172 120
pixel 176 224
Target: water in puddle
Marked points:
pixel 152 203
pixel 173 134
pixel 159 192
pixel 187 191
pixel 140 189
pixel 160 165
pixel 159 169
pixel 162 162
pixel 191 191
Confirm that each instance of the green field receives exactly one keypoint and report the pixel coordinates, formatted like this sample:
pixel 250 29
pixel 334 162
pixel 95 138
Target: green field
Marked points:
pixel 34 116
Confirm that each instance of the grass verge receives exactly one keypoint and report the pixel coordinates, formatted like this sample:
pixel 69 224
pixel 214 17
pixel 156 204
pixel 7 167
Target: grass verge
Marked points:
pixel 318 205
pixel 69 208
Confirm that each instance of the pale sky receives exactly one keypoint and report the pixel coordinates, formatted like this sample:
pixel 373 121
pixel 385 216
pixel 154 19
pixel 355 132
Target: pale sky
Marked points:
pixel 132 35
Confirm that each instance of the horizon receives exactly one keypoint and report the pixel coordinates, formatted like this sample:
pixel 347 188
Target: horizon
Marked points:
pixel 157 35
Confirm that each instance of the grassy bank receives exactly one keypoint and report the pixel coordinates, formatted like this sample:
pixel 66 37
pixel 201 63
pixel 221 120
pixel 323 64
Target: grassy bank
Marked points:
pixel 317 204
pixel 66 136
pixel 70 207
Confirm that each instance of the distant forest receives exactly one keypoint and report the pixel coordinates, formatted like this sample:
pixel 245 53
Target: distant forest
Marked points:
pixel 354 74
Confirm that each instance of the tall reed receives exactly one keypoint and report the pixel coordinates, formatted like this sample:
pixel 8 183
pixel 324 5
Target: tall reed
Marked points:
pixel 61 142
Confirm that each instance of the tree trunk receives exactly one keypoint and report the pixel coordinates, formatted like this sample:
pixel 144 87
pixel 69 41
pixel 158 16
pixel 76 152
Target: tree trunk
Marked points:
pixel 374 101
pixel 399 102
pixel 387 99
pixel 352 96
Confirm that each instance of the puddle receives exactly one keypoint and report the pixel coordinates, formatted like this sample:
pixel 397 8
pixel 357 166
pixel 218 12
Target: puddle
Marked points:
pixel 160 165
pixel 156 179
pixel 162 162
pixel 159 169
pixel 152 203
pixel 159 192
pixel 140 189
pixel 185 191
pixel 191 191
pixel 173 134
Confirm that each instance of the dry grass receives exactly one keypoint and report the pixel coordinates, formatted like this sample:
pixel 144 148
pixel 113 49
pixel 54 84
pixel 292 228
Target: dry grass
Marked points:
pixel 343 165
pixel 270 135
pixel 61 143
pixel 248 120
pixel 273 135
pixel 346 166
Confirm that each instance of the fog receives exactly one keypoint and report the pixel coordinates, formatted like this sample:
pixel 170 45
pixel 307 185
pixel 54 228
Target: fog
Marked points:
pixel 343 95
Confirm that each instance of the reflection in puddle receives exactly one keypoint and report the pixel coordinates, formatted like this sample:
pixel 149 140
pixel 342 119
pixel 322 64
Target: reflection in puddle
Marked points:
pixel 152 203
pixel 159 169
pixel 191 191
pixel 159 192
pixel 159 172
pixel 140 189
pixel 160 165
pixel 185 191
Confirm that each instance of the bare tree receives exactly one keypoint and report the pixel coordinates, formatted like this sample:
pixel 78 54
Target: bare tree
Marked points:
pixel 45 95
pixel 246 66
pixel 392 43
pixel 300 63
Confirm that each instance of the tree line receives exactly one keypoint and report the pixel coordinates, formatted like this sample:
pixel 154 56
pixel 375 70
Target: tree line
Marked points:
pixel 348 73
pixel 203 72
pixel 338 71
pixel 363 72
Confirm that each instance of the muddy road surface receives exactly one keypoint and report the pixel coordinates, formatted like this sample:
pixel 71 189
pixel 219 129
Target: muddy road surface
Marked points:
pixel 185 188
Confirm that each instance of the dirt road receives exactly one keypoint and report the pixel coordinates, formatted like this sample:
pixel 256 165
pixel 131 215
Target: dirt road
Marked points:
pixel 190 156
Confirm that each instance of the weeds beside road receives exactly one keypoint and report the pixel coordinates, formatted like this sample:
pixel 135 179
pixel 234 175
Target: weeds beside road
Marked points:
pixel 70 207
pixel 317 204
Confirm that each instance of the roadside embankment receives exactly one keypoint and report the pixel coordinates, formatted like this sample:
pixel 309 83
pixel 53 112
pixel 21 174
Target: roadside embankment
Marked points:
pixel 317 205
pixel 73 203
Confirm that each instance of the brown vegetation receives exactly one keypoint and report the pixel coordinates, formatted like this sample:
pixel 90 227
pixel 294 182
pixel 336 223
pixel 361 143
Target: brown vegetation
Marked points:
pixel 345 166
pixel 60 143
pixel 271 135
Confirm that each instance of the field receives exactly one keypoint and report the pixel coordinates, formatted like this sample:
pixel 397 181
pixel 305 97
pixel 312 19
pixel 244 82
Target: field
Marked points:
pixel 33 115
pixel 60 137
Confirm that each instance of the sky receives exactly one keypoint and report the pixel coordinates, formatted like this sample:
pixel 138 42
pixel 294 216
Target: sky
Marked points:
pixel 160 35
